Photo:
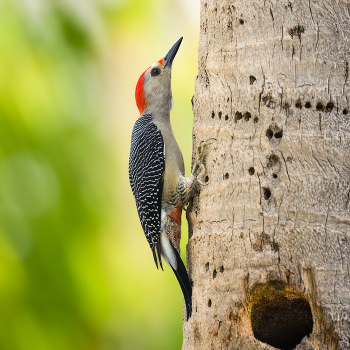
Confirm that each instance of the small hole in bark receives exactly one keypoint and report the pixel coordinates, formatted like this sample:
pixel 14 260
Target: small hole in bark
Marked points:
pixel 213 115
pixel 206 178
pixel 267 193
pixel 214 273
pixel 251 79
pixel 307 105
pixel 226 117
pixel 228 99
pixel 220 114
pixel 274 176
pixel 329 106
pixel 238 116
pixel 298 104
pixel 221 269
pixel 279 316
pixel 256 119
pixel 269 134
pixel 247 116
pixel 251 171
pixel 207 266
pixel 241 21
pixel 319 106
pixel 279 134
pixel 226 176
pixel 209 302
pixel 345 111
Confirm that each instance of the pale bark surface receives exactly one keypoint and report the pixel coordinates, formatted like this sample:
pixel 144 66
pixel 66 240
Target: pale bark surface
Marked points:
pixel 273 89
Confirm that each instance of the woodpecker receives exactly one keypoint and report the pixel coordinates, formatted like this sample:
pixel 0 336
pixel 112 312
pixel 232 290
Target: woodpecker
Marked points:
pixel 157 171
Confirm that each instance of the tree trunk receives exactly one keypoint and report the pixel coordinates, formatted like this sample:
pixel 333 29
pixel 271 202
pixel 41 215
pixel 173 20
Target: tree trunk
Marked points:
pixel 269 245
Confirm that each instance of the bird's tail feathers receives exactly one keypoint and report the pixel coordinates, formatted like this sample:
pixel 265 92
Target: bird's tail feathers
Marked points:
pixel 185 284
pixel 157 255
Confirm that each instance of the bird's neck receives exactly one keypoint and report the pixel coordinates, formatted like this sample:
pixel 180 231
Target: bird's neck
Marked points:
pixel 160 109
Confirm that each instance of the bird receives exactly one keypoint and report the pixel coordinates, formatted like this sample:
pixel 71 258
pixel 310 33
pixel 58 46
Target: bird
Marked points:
pixel 157 171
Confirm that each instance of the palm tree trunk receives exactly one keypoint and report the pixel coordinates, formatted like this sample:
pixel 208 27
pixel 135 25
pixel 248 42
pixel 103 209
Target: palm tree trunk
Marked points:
pixel 269 246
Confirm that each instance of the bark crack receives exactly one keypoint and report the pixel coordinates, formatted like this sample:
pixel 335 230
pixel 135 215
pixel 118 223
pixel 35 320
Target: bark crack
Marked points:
pixel 285 164
pixel 262 90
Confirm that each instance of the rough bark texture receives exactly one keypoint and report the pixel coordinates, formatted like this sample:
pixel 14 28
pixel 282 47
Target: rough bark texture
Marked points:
pixel 270 234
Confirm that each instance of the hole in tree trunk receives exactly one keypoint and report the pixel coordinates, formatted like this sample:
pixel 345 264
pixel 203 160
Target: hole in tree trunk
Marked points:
pixel 247 116
pixel 279 134
pixel 279 316
pixel 329 107
pixel 267 193
pixel 319 107
pixel 251 79
pixel 238 116
pixel 269 133
pixel 298 104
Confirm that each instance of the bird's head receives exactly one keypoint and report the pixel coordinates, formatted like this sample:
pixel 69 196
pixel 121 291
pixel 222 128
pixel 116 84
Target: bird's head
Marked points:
pixel 153 89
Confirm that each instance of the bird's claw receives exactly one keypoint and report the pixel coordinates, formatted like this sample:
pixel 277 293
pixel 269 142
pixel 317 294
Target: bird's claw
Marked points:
pixel 202 151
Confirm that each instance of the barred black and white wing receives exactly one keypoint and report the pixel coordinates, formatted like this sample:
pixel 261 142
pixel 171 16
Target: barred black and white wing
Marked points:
pixel 146 169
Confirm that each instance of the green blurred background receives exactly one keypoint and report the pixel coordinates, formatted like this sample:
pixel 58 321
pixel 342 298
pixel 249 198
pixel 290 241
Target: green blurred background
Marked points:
pixel 76 271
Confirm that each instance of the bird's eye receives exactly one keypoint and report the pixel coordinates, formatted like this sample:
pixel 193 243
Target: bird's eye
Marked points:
pixel 155 72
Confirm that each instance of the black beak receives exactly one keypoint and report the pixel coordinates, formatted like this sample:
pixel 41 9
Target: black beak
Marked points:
pixel 169 57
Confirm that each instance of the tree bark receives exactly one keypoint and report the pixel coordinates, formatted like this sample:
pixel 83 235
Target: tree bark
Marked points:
pixel 269 237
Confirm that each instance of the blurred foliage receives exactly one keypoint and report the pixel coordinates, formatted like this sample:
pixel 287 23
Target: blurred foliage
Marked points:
pixel 75 269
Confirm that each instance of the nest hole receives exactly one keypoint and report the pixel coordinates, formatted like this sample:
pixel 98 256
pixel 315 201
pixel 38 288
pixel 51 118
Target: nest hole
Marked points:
pixel 256 119
pixel 241 21
pixel 209 303
pixel 226 176
pixel 212 115
pixel 274 176
pixel 220 114
pixel 345 111
pixel 307 105
pixel 251 171
pixel 267 193
pixel 226 117
pixel 214 274
pixel 206 179
pixel 279 316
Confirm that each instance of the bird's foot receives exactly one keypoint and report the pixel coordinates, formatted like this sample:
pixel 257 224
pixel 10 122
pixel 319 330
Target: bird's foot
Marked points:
pixel 199 169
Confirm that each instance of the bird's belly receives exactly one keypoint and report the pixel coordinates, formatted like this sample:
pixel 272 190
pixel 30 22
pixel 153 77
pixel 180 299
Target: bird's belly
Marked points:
pixel 171 224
